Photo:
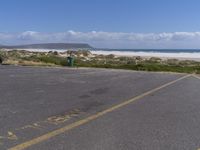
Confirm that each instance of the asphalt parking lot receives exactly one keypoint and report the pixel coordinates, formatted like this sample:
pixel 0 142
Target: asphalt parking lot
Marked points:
pixel 98 109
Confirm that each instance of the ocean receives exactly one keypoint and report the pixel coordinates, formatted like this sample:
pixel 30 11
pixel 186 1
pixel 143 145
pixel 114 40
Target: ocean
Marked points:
pixel 163 53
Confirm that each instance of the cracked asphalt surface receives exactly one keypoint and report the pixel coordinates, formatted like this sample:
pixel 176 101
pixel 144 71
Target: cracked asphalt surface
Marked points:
pixel 35 101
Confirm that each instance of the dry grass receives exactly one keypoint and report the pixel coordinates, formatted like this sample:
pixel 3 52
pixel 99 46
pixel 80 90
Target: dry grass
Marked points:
pixel 27 63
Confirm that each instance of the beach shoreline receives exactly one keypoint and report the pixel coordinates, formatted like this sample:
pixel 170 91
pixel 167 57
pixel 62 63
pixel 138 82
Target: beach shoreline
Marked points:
pixel 86 58
pixel 193 56
pixel 148 55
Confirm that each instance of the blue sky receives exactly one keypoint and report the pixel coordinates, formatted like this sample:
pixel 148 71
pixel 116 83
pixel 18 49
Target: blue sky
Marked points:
pixel 123 23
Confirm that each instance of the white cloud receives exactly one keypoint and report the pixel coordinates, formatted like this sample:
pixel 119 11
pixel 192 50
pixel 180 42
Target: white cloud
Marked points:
pixel 29 35
pixel 108 39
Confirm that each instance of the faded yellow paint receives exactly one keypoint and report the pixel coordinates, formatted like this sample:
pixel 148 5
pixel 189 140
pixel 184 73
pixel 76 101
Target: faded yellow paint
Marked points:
pixel 39 125
pixel 57 119
pixel 10 136
pixel 64 129
pixel 61 119
pixel 34 126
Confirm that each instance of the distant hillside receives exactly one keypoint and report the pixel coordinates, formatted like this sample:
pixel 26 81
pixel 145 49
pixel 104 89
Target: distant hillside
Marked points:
pixel 50 46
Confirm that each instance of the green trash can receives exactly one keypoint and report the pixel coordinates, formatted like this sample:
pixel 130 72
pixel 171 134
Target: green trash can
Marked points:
pixel 70 61
pixel 1 60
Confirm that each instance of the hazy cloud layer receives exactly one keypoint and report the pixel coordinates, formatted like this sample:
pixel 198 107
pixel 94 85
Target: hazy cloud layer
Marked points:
pixel 108 39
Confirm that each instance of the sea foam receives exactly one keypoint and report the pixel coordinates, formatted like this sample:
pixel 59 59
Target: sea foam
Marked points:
pixel 192 55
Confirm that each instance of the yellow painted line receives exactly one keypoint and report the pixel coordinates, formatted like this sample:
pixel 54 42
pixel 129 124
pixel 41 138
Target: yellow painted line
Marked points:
pixel 54 133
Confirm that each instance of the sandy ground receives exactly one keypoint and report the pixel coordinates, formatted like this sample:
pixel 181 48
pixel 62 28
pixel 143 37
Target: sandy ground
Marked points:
pixel 147 55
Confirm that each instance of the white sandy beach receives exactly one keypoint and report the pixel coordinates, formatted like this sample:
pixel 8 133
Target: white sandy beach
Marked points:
pixel 179 55
pixel 182 56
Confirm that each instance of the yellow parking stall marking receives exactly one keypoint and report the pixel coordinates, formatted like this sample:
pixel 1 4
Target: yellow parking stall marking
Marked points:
pixel 56 120
pixel 40 125
pixel 64 129
pixel 10 136
pixel 34 126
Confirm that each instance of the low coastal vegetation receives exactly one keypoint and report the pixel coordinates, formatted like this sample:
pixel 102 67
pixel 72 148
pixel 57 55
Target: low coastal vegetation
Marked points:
pixel 84 58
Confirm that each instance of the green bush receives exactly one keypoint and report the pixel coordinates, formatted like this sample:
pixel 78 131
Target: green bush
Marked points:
pixel 54 60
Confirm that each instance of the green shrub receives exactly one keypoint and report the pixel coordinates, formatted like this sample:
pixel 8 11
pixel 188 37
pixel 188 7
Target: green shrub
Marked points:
pixel 54 60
